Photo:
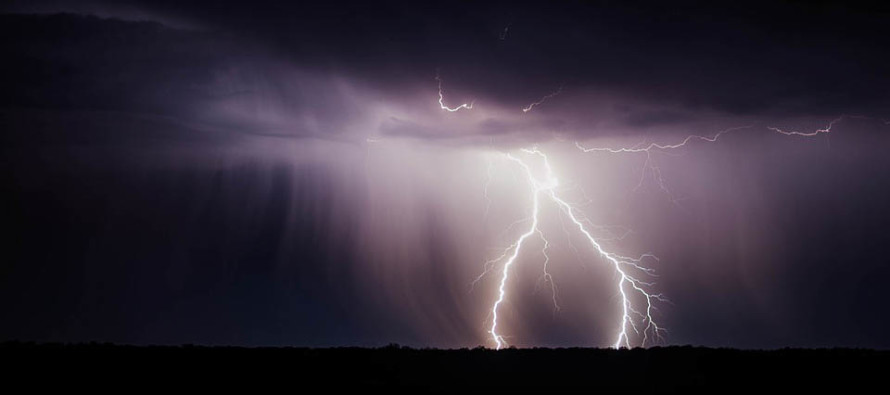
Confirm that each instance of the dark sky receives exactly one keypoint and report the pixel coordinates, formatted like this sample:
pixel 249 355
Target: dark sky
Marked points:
pixel 280 173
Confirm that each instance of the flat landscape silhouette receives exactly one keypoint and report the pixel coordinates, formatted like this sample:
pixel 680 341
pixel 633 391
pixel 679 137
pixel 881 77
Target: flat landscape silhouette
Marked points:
pixel 654 370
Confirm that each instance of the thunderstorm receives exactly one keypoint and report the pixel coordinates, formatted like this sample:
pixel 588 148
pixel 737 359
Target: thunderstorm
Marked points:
pixel 634 283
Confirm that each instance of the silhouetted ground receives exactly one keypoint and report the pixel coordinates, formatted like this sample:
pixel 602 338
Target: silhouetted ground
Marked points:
pixel 655 370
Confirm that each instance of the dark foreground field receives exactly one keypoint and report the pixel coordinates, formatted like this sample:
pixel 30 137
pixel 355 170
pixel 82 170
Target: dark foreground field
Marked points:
pixel 656 370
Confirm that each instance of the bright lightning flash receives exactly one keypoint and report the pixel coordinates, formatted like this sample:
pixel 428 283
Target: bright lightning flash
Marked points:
pixel 655 171
pixel 442 100
pixel 631 289
pixel 636 299
pixel 542 100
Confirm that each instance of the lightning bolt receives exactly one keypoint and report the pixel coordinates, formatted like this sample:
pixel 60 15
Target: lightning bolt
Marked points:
pixel 546 277
pixel 825 130
pixel 537 188
pixel 655 146
pixel 442 99
pixel 541 101
pixel 629 287
pixel 637 301
pixel 651 168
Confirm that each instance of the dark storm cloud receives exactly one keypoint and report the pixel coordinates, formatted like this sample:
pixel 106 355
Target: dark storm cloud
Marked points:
pixel 85 63
pixel 651 118
pixel 754 59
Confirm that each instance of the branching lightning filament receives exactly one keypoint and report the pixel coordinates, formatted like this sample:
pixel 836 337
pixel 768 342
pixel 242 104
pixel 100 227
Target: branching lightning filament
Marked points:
pixel 647 149
pixel 635 316
pixel 637 325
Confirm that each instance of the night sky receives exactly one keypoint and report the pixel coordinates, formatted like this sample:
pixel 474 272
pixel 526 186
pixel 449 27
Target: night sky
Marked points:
pixel 282 173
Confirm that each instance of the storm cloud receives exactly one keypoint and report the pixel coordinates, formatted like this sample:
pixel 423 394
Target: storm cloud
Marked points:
pixel 276 173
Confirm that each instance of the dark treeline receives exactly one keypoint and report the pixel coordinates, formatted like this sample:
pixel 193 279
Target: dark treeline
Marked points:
pixel 654 370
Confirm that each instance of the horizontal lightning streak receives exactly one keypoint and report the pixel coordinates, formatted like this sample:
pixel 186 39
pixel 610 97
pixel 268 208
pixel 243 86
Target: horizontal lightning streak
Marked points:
pixel 653 146
pixel 543 99
pixel 817 132
pixel 655 172
pixel 442 100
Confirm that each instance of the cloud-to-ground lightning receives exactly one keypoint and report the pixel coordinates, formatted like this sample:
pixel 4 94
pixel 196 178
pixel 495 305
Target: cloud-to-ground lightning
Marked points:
pixel 468 106
pixel 542 100
pixel 546 277
pixel 629 287
pixel 537 188
pixel 637 301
